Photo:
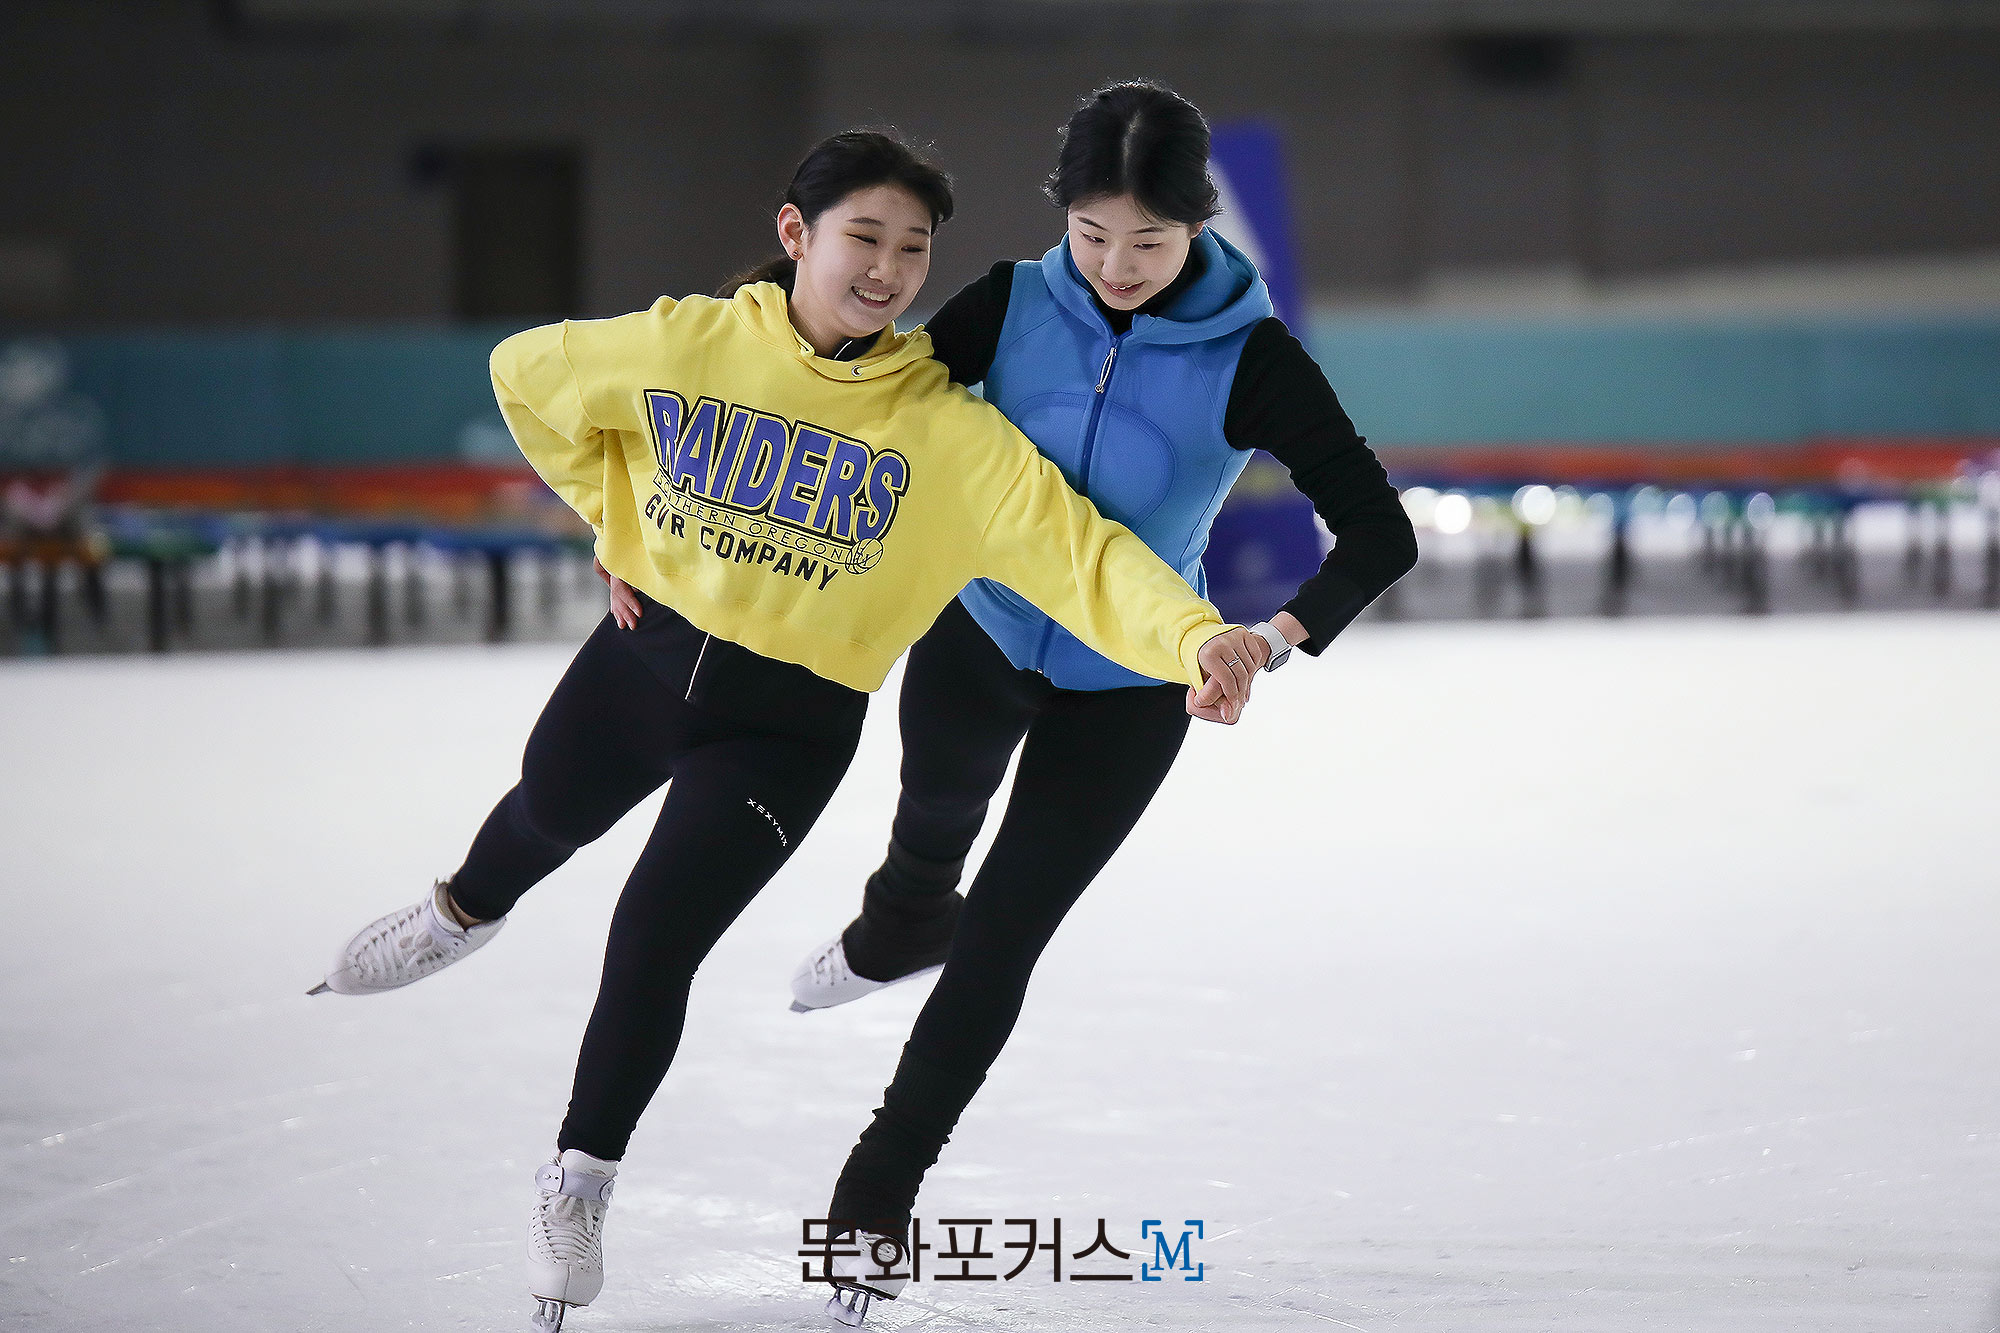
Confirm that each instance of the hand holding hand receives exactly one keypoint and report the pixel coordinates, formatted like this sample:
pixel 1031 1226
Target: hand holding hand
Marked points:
pixel 624 602
pixel 1228 661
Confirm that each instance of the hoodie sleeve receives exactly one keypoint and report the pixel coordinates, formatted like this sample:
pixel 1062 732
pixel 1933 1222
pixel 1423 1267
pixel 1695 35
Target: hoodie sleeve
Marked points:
pixel 539 396
pixel 1094 577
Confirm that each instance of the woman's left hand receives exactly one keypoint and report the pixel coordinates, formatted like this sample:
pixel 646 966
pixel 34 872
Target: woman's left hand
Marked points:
pixel 624 603
pixel 1228 660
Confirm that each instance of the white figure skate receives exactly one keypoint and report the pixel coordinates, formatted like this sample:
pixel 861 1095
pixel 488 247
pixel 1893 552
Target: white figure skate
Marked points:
pixel 824 979
pixel 566 1236
pixel 407 945
pixel 861 1278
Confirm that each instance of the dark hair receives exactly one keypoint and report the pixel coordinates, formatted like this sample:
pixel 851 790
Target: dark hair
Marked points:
pixel 1140 139
pixel 837 167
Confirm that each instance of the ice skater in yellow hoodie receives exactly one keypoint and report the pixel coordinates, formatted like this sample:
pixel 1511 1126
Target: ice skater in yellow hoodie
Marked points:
pixel 793 491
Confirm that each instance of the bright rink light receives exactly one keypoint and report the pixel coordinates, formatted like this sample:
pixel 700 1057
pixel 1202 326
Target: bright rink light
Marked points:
pixel 1535 505
pixel 1420 503
pixel 1453 514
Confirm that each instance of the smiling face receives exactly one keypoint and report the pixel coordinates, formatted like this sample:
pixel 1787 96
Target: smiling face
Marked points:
pixel 1126 255
pixel 860 264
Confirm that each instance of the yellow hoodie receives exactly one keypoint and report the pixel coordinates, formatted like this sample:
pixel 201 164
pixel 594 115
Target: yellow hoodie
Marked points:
pixel 816 511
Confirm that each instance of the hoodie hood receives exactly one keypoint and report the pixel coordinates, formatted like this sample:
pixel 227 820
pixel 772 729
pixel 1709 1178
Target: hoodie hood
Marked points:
pixel 1228 295
pixel 765 310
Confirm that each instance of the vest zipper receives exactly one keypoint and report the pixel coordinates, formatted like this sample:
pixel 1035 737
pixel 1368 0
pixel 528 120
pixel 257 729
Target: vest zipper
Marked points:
pixel 1096 416
pixel 1083 474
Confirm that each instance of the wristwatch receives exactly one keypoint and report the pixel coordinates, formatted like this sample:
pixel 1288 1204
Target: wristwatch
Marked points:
pixel 1281 648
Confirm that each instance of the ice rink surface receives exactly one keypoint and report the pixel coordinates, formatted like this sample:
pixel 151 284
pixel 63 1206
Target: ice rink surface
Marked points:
pixel 1591 976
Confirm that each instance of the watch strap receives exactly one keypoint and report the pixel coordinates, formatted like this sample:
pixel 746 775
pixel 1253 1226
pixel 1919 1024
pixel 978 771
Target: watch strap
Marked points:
pixel 1281 647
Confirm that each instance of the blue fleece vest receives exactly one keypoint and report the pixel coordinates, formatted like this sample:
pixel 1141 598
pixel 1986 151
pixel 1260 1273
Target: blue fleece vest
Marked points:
pixel 1133 420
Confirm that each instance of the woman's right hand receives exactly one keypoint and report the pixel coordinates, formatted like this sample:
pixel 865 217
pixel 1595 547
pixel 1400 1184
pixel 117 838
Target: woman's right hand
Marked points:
pixel 624 602
pixel 1228 662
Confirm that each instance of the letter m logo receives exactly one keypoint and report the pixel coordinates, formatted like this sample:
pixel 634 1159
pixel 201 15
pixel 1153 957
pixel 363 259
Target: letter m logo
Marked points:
pixel 1171 1258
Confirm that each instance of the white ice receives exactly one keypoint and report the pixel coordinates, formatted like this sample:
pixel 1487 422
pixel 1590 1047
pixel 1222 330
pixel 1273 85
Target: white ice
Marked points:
pixel 1585 976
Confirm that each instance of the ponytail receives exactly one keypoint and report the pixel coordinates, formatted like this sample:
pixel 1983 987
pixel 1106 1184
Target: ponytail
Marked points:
pixel 837 167
pixel 781 270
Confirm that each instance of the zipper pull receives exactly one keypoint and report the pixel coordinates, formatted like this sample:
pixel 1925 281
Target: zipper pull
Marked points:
pixel 1109 357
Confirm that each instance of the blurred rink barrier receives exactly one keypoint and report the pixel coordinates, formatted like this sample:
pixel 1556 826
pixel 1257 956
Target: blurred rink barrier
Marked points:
pixel 298 487
pixel 1610 466
pixel 264 488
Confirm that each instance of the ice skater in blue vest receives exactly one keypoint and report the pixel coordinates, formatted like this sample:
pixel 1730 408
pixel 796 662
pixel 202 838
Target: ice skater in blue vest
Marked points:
pixel 1140 354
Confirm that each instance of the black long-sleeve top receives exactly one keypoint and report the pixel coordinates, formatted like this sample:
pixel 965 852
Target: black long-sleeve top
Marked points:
pixel 1281 403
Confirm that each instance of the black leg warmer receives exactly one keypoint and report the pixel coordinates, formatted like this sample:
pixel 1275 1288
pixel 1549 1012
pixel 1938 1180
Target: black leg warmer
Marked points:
pixel 878 1186
pixel 907 916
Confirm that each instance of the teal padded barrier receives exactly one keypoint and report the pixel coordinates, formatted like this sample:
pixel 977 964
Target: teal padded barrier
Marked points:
pixel 1411 380
pixel 1940 380
pixel 365 396
pixel 370 396
pixel 400 397
pixel 186 399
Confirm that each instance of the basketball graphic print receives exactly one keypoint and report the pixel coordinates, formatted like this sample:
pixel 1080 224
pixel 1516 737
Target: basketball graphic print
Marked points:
pixel 861 557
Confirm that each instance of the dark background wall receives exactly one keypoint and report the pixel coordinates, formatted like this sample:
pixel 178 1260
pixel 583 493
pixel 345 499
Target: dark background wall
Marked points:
pixel 158 165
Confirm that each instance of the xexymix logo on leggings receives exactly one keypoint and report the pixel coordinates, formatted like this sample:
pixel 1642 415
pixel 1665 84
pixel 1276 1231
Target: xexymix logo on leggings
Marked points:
pixel 762 489
pixel 783 841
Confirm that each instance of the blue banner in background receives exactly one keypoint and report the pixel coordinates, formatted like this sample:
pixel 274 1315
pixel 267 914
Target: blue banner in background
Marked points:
pixel 1264 542
pixel 1248 164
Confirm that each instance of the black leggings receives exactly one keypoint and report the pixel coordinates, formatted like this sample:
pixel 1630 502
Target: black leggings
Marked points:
pixel 754 749
pixel 1091 764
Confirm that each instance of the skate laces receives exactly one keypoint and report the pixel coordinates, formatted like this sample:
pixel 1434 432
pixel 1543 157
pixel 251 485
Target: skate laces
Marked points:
pixel 569 1230
pixel 404 941
pixel 831 964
